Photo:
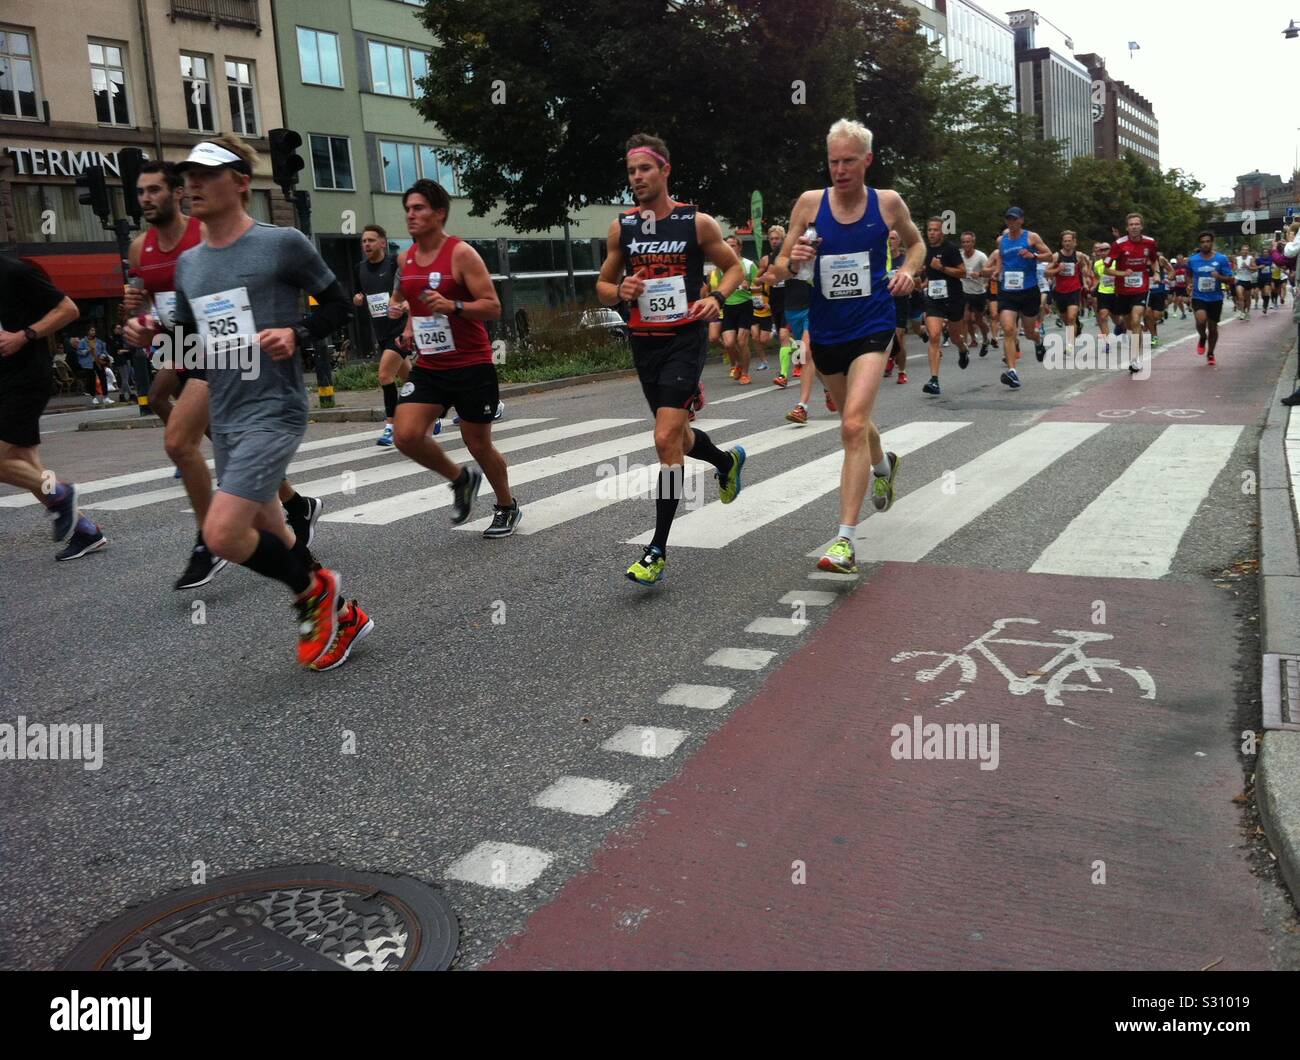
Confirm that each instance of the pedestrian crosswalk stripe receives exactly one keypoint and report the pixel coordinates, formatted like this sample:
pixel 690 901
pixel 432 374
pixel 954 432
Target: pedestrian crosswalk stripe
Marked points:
pixel 641 481
pixel 717 525
pixel 921 520
pixel 406 468
pixel 160 474
pixel 405 505
pixel 1133 528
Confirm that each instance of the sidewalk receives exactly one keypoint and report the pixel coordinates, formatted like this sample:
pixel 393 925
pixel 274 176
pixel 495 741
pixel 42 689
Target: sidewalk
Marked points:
pixel 1277 776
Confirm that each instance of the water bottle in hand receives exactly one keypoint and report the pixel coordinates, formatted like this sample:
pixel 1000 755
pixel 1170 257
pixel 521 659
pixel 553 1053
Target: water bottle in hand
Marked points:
pixel 805 272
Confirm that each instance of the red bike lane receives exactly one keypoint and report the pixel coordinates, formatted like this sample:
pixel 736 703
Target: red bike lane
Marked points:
pixel 800 836
pixel 1183 388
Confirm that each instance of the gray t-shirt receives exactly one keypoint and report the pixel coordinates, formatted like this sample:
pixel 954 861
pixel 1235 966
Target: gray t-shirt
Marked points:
pixel 265 271
pixel 972 284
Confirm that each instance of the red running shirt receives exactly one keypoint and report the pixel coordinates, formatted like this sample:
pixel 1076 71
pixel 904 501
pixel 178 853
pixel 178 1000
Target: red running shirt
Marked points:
pixel 1137 257
pixel 448 341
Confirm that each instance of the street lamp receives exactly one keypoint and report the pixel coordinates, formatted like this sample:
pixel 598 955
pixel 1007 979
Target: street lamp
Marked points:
pixel 1292 31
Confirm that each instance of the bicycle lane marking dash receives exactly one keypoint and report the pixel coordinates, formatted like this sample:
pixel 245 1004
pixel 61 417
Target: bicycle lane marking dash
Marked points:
pixel 1109 773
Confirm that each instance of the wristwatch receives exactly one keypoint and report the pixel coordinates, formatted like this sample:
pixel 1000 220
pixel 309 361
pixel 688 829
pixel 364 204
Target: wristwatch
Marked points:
pixel 460 306
pixel 31 334
pixel 722 299
pixel 304 336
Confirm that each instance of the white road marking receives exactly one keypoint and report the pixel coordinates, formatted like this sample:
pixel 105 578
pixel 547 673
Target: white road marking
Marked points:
pixel 584 796
pixel 922 520
pixel 777 627
pixel 740 658
pixel 808 597
pixel 1133 528
pixel 645 741
pixel 718 525
pixel 698 697
pixel 503 866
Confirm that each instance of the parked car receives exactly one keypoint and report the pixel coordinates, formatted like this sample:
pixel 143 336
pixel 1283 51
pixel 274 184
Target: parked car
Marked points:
pixel 604 320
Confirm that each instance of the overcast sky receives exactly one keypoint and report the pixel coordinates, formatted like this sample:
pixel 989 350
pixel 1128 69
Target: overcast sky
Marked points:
pixel 1212 127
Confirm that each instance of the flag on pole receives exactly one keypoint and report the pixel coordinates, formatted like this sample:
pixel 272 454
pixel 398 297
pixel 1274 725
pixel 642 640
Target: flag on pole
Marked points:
pixel 1132 47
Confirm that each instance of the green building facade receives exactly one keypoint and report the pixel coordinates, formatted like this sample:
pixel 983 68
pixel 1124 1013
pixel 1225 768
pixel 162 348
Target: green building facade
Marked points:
pixel 347 71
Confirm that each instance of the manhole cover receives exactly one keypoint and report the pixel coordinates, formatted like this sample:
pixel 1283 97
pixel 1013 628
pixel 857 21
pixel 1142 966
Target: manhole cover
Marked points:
pixel 298 918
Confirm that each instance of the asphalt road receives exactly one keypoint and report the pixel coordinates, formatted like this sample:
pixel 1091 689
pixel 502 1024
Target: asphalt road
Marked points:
pixel 222 756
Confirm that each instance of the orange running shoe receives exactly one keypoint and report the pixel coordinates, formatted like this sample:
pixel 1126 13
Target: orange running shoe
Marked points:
pixel 780 380
pixel 830 404
pixel 735 371
pixel 744 380
pixel 354 625
pixel 902 378
pixel 798 414
pixel 798 371
pixel 318 615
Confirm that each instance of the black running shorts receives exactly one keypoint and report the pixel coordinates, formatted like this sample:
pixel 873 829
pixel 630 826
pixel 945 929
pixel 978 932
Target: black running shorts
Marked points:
pixel 1212 310
pixel 23 397
pixel 472 391
pixel 950 309
pixel 670 366
pixel 835 358
pixel 1027 302
pixel 735 317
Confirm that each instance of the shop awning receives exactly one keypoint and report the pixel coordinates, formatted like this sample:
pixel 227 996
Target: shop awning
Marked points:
pixel 83 275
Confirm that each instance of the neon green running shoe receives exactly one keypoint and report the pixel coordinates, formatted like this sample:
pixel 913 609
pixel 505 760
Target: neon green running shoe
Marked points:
pixel 839 558
pixel 882 486
pixel 649 568
pixel 729 485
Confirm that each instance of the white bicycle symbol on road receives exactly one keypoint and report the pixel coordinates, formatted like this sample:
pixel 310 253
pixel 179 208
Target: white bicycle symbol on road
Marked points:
pixel 1154 410
pixel 1051 678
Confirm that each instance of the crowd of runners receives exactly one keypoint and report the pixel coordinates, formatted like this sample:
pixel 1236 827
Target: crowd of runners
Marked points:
pixel 841 289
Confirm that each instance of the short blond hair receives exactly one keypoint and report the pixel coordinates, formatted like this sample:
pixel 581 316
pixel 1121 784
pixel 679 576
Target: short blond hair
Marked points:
pixel 848 129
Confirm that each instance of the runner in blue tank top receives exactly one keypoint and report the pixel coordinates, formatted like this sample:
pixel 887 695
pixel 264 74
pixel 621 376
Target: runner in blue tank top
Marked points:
pixel 851 315
pixel 1015 263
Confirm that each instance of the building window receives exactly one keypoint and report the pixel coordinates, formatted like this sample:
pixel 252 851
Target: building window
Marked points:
pixel 388 70
pixel 196 81
pixel 17 76
pixel 243 98
pixel 108 82
pixel 399 165
pixel 318 58
pixel 435 169
pixel 331 160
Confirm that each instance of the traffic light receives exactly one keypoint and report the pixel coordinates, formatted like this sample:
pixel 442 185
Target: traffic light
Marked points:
pixel 95 194
pixel 129 161
pixel 285 160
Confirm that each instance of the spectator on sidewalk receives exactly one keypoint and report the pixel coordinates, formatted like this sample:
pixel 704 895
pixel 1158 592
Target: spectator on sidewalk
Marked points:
pixel 121 355
pixel 1291 249
pixel 92 356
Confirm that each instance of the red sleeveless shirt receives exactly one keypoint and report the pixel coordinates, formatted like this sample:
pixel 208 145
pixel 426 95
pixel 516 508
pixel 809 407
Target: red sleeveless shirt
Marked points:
pixel 468 337
pixel 157 267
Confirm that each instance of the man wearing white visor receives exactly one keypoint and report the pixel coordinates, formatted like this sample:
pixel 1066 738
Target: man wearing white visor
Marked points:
pixel 239 328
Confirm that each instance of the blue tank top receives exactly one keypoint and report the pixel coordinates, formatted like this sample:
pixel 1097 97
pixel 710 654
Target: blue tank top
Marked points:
pixel 1013 264
pixel 859 303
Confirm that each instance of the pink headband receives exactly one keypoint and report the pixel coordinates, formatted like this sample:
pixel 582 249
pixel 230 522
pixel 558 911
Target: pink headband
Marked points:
pixel 649 151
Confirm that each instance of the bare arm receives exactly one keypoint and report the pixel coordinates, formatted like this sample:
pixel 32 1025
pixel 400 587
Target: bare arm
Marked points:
pixel 804 212
pixel 709 236
pixel 899 218
pixel 474 276
pixel 611 270
pixel 60 316
pixel 134 300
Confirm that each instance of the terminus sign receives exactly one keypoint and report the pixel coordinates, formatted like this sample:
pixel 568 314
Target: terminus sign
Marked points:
pixel 53 162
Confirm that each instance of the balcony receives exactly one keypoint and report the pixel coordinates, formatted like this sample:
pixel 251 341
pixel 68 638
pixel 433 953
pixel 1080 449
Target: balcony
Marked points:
pixel 220 12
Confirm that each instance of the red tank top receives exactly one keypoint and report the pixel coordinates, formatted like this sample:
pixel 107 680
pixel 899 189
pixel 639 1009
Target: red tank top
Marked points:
pixel 157 267
pixel 444 342
pixel 1069 284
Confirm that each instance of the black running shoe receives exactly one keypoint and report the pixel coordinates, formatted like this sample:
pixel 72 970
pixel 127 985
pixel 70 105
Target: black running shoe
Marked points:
pixel 504 520
pixel 303 525
pixel 463 494
pixel 64 514
pixel 984 349
pixel 202 568
pixel 82 545
pixel 1040 351
pixel 963 358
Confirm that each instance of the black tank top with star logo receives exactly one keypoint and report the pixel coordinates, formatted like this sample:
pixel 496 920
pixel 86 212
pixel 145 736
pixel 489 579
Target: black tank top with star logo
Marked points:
pixel 666 248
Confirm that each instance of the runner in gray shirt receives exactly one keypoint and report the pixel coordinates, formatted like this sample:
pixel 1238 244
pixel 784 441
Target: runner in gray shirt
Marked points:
pixel 238 325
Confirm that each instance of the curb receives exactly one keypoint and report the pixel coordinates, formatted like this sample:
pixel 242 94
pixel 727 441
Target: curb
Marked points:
pixel 375 414
pixel 1277 774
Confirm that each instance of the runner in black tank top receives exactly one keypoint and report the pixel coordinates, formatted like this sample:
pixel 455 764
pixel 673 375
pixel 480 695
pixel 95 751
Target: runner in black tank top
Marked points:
pixel 655 260
pixel 376 279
